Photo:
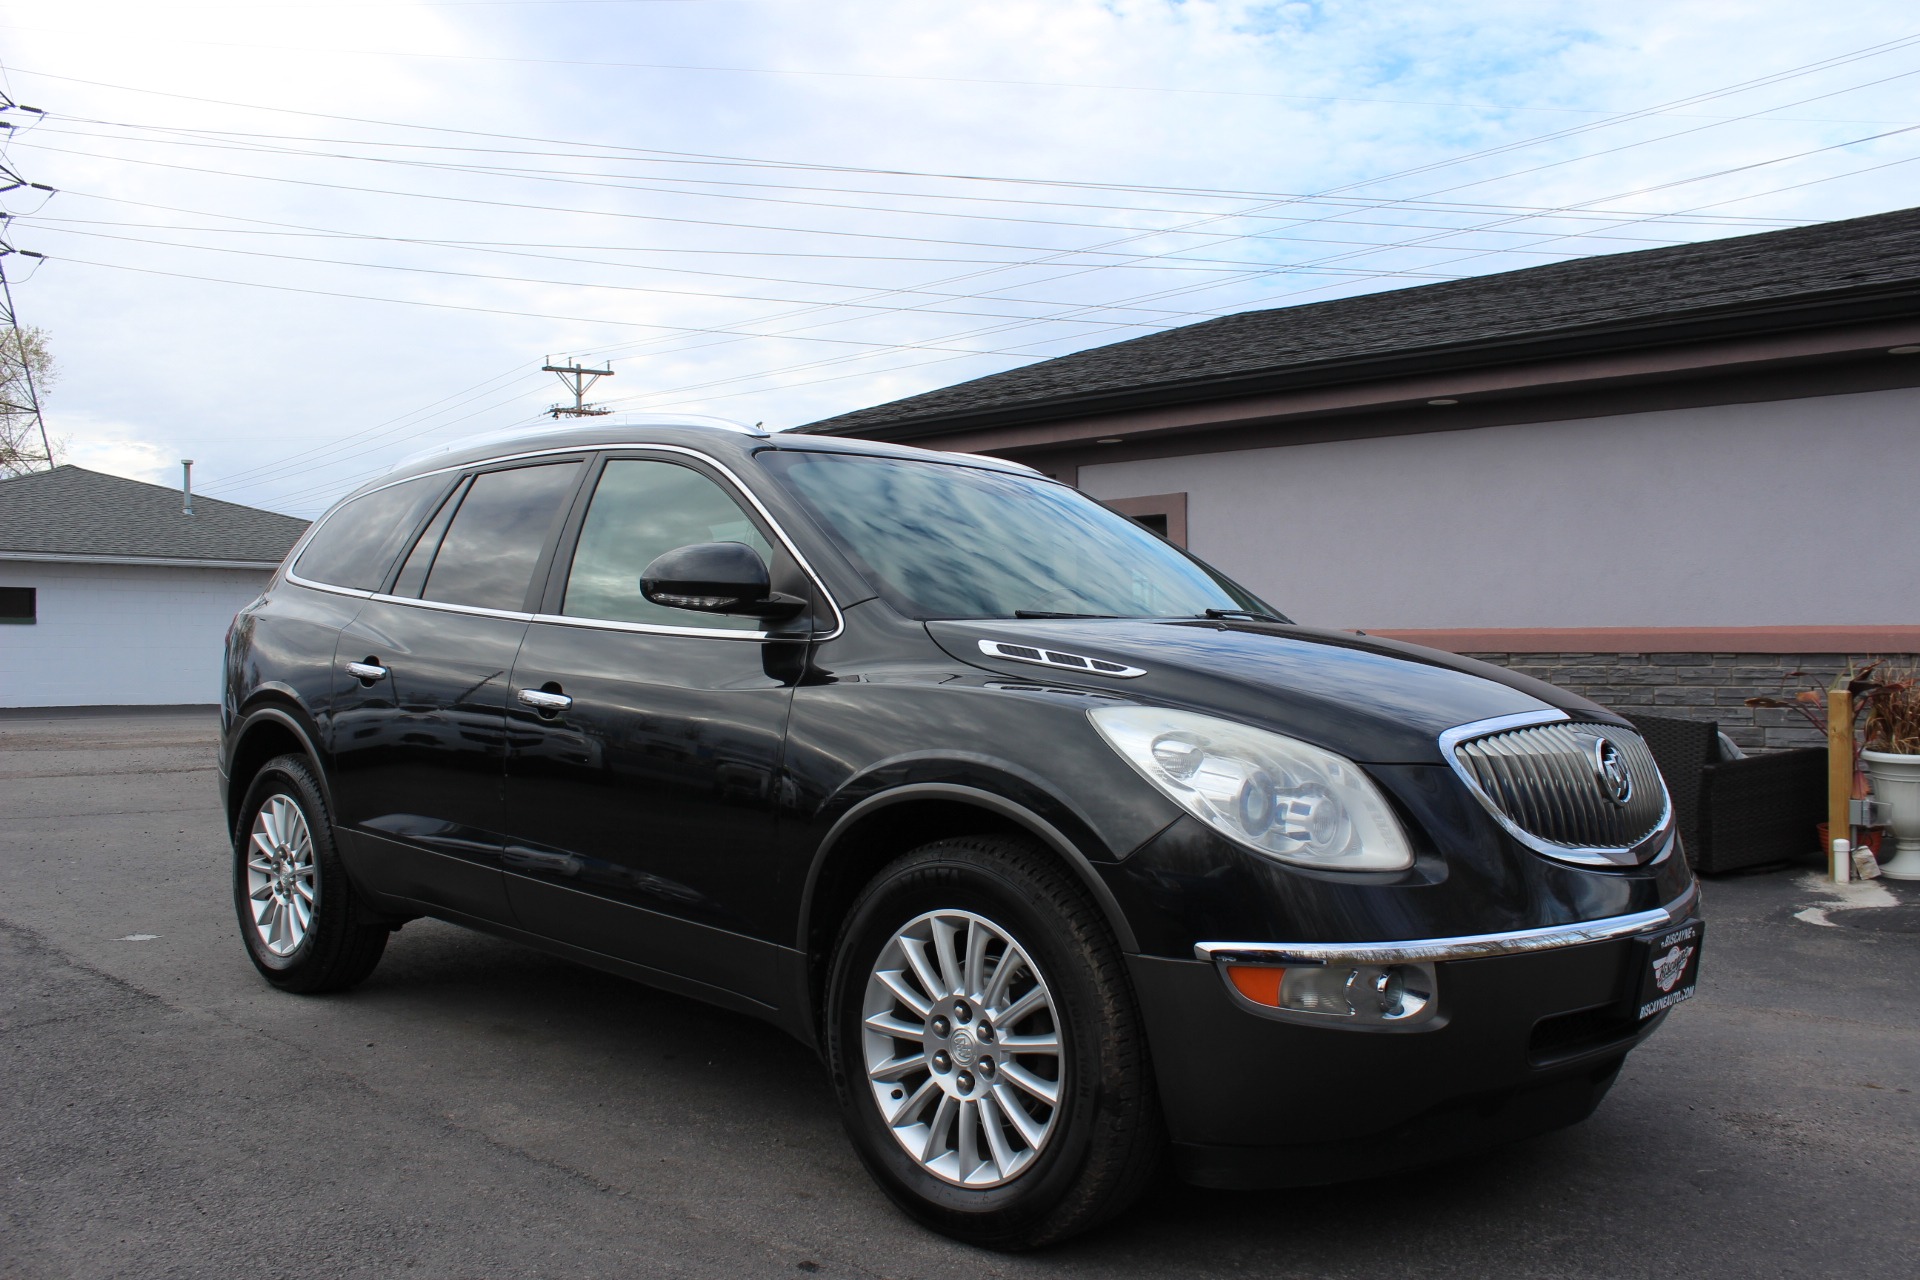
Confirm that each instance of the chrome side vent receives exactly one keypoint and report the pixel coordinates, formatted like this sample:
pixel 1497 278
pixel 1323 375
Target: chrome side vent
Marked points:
pixel 1587 793
pixel 1060 661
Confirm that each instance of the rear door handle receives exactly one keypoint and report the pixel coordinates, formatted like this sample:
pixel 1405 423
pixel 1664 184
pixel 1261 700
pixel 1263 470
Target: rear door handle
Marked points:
pixel 545 703
pixel 366 671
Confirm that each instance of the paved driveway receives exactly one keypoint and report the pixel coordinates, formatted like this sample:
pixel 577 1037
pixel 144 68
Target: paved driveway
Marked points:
pixel 477 1109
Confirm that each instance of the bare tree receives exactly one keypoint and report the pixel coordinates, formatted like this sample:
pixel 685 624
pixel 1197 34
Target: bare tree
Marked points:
pixel 26 368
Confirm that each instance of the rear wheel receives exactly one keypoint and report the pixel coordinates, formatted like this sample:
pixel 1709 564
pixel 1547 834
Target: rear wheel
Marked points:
pixel 305 927
pixel 986 1046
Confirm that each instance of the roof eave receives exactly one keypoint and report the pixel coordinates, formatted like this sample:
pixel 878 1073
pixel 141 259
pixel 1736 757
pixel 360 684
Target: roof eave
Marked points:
pixel 173 562
pixel 1829 309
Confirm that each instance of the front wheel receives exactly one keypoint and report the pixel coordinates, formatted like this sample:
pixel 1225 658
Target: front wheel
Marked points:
pixel 305 927
pixel 987 1049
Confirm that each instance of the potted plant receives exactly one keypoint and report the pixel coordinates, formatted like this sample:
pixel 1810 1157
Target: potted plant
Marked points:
pixel 1810 704
pixel 1892 757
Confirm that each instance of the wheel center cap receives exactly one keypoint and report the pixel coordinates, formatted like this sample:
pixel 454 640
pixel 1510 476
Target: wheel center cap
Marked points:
pixel 963 1047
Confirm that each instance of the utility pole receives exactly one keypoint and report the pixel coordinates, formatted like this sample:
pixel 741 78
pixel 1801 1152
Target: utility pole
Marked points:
pixel 578 381
pixel 20 417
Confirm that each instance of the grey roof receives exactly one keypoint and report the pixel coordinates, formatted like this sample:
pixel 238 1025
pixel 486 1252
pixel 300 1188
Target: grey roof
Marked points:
pixel 1834 272
pixel 70 511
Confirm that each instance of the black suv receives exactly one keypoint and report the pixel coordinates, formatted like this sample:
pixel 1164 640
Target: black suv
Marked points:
pixel 1064 850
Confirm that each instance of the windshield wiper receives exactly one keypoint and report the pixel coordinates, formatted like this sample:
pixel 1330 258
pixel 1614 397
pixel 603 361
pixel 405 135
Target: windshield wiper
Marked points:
pixel 1254 614
pixel 1042 613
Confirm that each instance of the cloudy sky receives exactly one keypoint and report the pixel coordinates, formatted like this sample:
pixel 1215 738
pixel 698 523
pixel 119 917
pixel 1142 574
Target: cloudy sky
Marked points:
pixel 297 241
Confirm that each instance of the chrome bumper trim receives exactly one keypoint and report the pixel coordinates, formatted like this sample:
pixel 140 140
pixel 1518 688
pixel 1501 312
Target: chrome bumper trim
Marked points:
pixel 1471 947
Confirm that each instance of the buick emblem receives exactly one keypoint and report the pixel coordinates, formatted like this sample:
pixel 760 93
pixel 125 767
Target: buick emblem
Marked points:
pixel 1616 784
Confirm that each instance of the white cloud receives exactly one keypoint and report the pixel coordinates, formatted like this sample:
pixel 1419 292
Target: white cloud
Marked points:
pixel 116 448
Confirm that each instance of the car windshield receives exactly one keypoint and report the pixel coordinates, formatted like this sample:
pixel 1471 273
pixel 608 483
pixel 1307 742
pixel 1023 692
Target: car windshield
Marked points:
pixel 953 541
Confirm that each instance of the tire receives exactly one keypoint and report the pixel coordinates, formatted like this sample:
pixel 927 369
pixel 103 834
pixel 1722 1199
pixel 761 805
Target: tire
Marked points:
pixel 309 931
pixel 1063 1168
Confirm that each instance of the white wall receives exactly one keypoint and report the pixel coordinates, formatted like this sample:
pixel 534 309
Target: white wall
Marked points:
pixel 112 635
pixel 1788 513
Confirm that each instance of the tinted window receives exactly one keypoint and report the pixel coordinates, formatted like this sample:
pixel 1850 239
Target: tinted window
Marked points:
pixel 487 558
pixel 357 541
pixel 642 510
pixel 940 541
pixel 19 604
pixel 413 571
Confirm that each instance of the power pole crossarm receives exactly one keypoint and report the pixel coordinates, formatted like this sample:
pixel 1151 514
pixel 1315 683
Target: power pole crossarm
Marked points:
pixel 579 381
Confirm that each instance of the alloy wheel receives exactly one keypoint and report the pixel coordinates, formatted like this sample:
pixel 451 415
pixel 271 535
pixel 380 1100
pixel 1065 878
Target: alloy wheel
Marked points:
pixel 963 1049
pixel 282 881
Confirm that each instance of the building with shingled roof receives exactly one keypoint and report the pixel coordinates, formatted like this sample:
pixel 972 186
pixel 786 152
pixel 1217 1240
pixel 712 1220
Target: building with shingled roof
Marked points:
pixel 113 593
pixel 1669 478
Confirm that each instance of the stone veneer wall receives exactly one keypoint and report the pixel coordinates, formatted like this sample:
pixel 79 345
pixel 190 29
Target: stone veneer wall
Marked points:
pixel 1700 686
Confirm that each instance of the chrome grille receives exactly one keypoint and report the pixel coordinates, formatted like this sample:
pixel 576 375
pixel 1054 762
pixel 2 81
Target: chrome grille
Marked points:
pixel 1550 782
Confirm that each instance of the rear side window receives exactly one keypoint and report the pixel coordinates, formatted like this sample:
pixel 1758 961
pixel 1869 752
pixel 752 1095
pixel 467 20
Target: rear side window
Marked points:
pixel 642 510
pixel 357 541
pixel 487 558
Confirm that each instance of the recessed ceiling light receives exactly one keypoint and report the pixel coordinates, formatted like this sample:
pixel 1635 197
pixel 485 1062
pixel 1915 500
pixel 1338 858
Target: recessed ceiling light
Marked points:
pixel 1443 402
pixel 1108 440
pixel 1913 350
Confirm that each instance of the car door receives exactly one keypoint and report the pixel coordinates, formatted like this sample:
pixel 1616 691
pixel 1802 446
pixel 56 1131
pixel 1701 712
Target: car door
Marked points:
pixel 420 712
pixel 641 790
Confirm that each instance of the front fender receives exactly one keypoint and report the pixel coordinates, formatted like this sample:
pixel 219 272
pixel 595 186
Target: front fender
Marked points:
pixel 979 782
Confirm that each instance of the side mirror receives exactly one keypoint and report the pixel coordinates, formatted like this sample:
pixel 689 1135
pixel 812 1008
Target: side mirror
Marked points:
pixel 716 577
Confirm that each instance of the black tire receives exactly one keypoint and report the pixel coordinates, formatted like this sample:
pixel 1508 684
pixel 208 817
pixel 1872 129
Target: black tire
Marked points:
pixel 345 938
pixel 1107 1137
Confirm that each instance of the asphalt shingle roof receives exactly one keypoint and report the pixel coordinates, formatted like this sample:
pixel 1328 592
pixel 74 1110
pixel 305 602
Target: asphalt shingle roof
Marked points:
pixel 1614 294
pixel 73 511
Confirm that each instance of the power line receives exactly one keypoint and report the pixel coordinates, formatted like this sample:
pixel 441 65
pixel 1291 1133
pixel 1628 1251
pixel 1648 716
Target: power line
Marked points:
pixel 918 78
pixel 629 182
pixel 1874 50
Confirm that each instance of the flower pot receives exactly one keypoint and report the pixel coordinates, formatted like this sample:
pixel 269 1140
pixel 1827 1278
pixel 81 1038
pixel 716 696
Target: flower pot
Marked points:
pixel 1896 781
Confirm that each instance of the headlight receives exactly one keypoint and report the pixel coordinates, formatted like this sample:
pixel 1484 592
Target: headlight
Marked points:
pixel 1283 798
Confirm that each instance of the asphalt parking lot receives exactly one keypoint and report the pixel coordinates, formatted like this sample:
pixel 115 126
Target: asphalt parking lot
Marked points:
pixel 477 1109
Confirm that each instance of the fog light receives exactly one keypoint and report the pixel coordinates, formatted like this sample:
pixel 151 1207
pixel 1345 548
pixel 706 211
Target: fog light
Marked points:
pixel 1354 994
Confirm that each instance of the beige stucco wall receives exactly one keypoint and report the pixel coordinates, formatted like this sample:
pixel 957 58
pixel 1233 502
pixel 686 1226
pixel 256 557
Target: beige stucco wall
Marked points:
pixel 1786 513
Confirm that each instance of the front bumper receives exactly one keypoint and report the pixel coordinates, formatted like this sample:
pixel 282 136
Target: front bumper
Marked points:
pixel 1529 1031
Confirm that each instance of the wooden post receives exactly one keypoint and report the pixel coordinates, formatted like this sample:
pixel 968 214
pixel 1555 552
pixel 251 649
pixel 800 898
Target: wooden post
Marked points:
pixel 1839 770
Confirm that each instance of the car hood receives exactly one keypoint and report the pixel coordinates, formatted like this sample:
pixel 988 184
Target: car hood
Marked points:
pixel 1366 697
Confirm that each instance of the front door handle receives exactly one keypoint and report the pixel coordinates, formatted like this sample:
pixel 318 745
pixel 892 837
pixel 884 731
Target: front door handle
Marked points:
pixel 367 672
pixel 547 704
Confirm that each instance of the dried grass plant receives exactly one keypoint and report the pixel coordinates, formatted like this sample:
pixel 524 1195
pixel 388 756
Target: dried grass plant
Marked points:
pixel 1893 718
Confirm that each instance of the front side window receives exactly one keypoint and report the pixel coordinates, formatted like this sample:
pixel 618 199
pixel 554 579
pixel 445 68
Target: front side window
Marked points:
pixel 357 541
pixel 642 509
pixel 950 541
pixel 487 557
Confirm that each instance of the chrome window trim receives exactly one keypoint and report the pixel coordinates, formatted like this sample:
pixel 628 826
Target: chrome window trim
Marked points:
pixel 998 649
pixel 1594 856
pixel 604 624
pixel 1469 947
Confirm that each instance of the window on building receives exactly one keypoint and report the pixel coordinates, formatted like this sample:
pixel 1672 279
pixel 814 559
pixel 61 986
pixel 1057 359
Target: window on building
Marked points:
pixel 356 543
pixel 19 605
pixel 486 561
pixel 1164 513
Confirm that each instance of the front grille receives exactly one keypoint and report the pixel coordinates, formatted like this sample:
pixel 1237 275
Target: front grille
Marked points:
pixel 1560 784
